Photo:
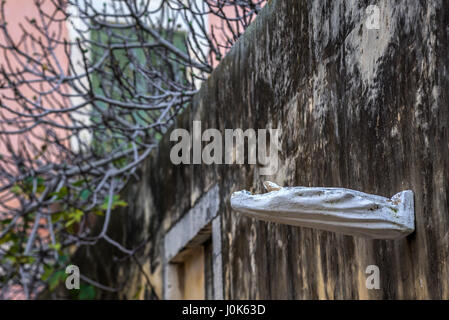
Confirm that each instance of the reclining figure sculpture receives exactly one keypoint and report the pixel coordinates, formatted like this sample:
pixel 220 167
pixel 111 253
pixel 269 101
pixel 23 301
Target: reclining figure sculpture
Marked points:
pixel 333 209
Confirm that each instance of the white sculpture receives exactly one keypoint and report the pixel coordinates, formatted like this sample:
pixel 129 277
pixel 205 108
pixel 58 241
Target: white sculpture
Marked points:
pixel 333 209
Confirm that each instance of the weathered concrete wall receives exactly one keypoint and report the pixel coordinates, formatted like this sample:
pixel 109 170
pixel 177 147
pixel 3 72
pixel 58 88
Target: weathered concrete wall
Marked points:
pixel 361 109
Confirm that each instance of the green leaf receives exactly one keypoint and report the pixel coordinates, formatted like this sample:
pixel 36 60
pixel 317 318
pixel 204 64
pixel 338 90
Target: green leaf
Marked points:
pixel 63 259
pixel 57 216
pixel 84 195
pixel 121 203
pixel 79 183
pixel 116 202
pixel 87 292
pixel 55 279
pixel 98 212
pixel 61 194
pixel 69 223
pixel 7 237
pixel 26 259
pixel 47 273
pixel 71 229
pixel 56 246
pixel 14 248
pixel 74 216
pixel 16 189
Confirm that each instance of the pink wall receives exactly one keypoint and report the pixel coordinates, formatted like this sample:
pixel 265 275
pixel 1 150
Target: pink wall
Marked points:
pixel 216 23
pixel 15 13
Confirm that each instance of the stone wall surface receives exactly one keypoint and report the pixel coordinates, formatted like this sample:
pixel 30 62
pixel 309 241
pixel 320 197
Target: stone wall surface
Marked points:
pixel 358 108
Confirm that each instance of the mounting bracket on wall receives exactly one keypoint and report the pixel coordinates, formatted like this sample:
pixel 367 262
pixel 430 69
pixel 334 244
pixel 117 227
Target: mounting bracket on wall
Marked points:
pixel 333 209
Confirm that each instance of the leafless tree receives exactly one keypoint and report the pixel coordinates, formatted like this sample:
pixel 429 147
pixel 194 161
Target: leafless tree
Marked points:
pixel 86 91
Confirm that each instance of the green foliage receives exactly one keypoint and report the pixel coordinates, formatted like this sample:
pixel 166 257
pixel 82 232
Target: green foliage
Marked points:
pixel 7 237
pixel 84 195
pixel 48 271
pixel 72 216
pixel 56 278
pixel 64 221
pixel 86 292
pixel 26 187
pixel 56 246
pixel 116 202
pixel 61 194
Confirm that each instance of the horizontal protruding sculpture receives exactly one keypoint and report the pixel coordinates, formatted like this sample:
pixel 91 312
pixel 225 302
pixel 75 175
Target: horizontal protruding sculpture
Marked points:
pixel 333 209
